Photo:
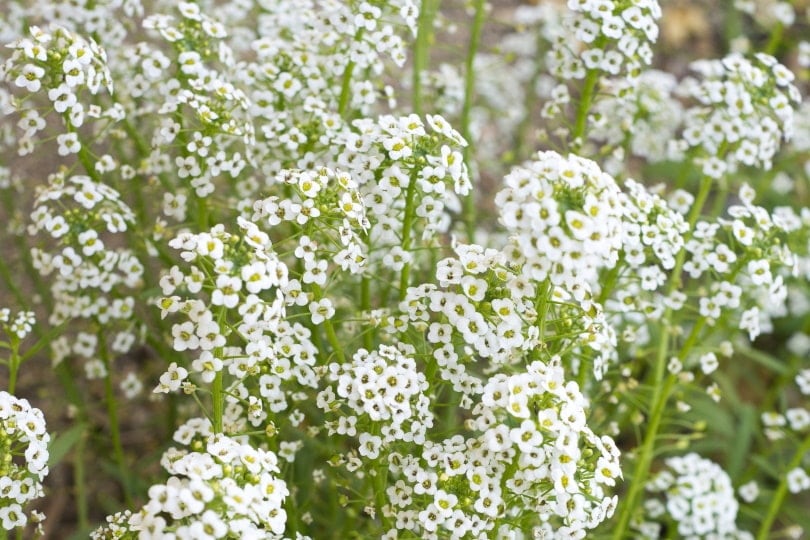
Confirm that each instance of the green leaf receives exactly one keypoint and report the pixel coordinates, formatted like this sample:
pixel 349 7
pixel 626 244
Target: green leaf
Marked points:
pixel 742 441
pixel 62 443
pixel 765 359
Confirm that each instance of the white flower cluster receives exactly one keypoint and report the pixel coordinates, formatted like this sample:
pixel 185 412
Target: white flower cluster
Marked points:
pixel 534 461
pixel 63 64
pixel 753 276
pixel 699 497
pixel 645 115
pixel 394 159
pixel 90 276
pixel 228 285
pixel 381 388
pixel 219 487
pixel 485 307
pixel 19 326
pixel 326 200
pixel 565 469
pixel 564 217
pixel 653 234
pixel 24 450
pixel 744 110
pixel 615 37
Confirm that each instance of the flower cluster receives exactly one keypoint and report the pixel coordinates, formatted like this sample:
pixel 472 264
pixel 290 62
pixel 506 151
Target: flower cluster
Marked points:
pixel 645 116
pixel 534 460
pixel 381 387
pixel 564 468
pixel 615 38
pixel 564 218
pixel 220 486
pixel 24 447
pixel 698 496
pixel 750 279
pixel 19 326
pixel 744 109
pixel 62 64
pixel 90 277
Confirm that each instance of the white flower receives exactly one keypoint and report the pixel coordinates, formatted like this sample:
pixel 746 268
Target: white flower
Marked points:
pixel 798 480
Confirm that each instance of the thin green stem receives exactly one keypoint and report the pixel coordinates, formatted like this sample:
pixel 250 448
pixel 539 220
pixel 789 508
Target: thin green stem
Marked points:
pixel 13 364
pixel 469 95
pixel 11 284
pixel 661 384
pixel 424 37
pixel 79 483
pixel 112 415
pixel 407 226
pixel 775 40
pixel 584 106
pixel 346 81
pixel 365 306
pixel 218 401
pixel 781 491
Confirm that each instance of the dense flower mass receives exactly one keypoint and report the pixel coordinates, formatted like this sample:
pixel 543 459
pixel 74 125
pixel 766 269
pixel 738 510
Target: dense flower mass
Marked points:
pixel 24 447
pixel 219 487
pixel 616 37
pixel 744 109
pixel 527 290
pixel 699 497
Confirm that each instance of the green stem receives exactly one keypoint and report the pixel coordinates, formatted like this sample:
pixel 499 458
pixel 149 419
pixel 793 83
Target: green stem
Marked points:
pixel 346 81
pixel 79 483
pixel 424 36
pixel 584 106
pixel 11 284
pixel 469 94
pixel 218 399
pixel 13 364
pixel 775 40
pixel 365 307
pixel 662 385
pixel 407 226
pixel 112 415
pixel 781 491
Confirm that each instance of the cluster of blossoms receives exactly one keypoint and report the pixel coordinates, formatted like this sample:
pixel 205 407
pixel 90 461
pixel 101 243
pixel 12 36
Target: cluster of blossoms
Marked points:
pixel 220 487
pixel 62 64
pixel 750 279
pixel 698 497
pixel 564 468
pixel 19 326
pixel 652 235
pixel 793 425
pixel 24 450
pixel 744 109
pixel 381 388
pixel 232 270
pixel 564 217
pixel 90 277
pixel 320 202
pixel 212 111
pixel 615 37
pixel 533 460
pixel 404 165
pixel 645 117
pixel 301 82
pixel 768 13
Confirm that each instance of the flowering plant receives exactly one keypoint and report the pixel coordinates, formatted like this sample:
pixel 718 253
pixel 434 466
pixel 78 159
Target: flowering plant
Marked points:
pixel 372 297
